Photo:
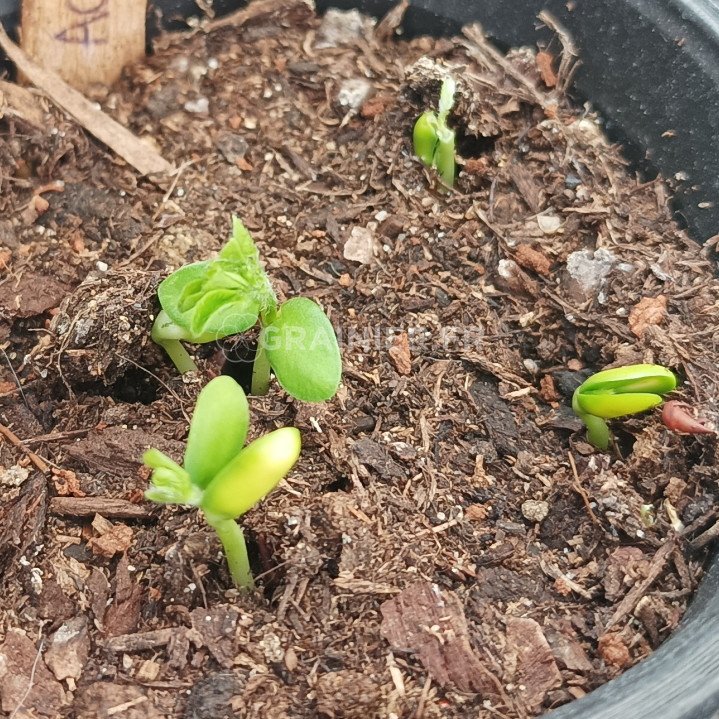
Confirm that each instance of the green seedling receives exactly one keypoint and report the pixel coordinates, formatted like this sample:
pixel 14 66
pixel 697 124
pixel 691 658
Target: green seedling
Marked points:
pixel 619 392
pixel 219 475
pixel 434 140
pixel 207 301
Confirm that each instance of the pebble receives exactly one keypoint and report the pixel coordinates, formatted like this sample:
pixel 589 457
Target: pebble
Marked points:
pixel 535 510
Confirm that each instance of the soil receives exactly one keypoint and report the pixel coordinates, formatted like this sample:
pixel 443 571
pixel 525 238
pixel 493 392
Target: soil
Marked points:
pixel 449 545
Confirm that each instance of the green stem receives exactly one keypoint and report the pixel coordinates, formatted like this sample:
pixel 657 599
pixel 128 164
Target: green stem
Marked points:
pixel 444 159
pixel 179 355
pixel 166 334
pixel 260 369
pixel 597 429
pixel 233 542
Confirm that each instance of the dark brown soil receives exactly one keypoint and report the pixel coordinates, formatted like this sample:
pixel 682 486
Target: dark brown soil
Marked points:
pixel 448 545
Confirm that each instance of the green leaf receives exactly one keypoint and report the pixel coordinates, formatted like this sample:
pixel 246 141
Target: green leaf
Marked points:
pixel 210 302
pixel 170 483
pixel 240 247
pixel 632 378
pixel 610 405
pixel 424 137
pixel 217 431
pixel 253 474
pixel 303 352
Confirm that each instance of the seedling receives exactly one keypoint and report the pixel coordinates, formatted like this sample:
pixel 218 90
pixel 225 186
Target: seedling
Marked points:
pixel 434 140
pixel 206 301
pixel 619 392
pixel 217 475
pixel 680 417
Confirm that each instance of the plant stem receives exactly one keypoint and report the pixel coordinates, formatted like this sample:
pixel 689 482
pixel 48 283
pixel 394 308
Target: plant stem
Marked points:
pixel 260 369
pixel 179 355
pixel 444 156
pixel 233 542
pixel 167 334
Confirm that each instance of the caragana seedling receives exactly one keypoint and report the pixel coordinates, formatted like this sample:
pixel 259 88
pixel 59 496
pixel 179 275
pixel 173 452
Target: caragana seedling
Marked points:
pixel 433 139
pixel 618 392
pixel 207 301
pixel 219 475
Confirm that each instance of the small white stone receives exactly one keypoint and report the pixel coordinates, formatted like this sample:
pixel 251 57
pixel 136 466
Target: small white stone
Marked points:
pixel 101 266
pixel 199 106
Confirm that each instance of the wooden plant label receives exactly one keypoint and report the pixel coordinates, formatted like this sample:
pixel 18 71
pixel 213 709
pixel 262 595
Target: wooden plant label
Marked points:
pixel 87 42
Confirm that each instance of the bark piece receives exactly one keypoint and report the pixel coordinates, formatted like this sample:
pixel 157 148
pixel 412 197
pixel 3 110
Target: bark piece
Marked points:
pixel 376 457
pixel 537 671
pixel 104 506
pixel 215 628
pixel 114 538
pixel 431 622
pixel 27 688
pixel 399 354
pixel 69 647
pixel 648 311
pixel 122 616
pixel 33 294
pixel 103 700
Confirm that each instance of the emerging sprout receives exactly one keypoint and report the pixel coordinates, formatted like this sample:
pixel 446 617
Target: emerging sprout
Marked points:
pixel 218 475
pixel 680 417
pixel 206 301
pixel 618 392
pixel 433 139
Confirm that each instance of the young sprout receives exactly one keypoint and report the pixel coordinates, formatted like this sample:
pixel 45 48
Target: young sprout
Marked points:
pixel 680 417
pixel 434 141
pixel 619 392
pixel 206 301
pixel 218 475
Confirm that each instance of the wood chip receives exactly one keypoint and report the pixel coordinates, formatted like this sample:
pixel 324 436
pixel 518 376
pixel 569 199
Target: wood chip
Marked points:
pixel 119 139
pixel 544 65
pixel 537 671
pixel 16 101
pixel 69 648
pixel 140 641
pixel 27 688
pixel 399 354
pixel 431 622
pixel 648 311
pixel 215 629
pixel 123 615
pixel 114 538
pixel 359 246
pixel 656 566
pixel 534 260
pixel 106 506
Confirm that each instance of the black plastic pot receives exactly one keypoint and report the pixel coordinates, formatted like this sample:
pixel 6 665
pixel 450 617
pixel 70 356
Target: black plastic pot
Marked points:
pixel 649 66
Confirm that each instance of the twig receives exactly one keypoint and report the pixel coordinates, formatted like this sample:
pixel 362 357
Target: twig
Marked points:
pixel 390 22
pixel 17 380
pixel 118 138
pixel 569 62
pixel 705 537
pixel 639 590
pixel 486 54
pixel 15 440
pixel 90 506
pixel 256 10
pixel 30 681
pixel 581 491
